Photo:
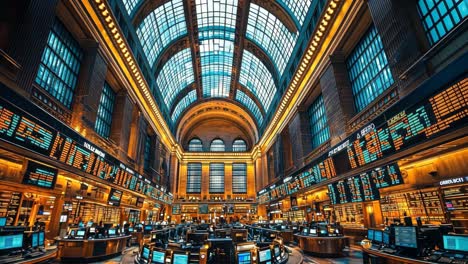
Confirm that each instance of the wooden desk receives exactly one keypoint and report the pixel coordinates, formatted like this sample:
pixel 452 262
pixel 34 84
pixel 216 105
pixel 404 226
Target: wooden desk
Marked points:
pixel 85 249
pixel 385 258
pixel 325 246
pixel 287 235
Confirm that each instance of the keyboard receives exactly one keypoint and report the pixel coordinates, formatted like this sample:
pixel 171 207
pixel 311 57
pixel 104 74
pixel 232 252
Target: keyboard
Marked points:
pixel 389 250
pixel 34 254
pixel 444 260
pixel 11 259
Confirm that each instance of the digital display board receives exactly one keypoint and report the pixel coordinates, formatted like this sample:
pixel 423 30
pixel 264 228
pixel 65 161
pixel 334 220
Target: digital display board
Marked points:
pixel 408 123
pixel 40 175
pixel 58 142
pixel 203 209
pixel 114 197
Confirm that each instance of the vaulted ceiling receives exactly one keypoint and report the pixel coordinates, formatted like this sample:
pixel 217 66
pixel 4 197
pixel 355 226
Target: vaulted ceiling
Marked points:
pixel 204 50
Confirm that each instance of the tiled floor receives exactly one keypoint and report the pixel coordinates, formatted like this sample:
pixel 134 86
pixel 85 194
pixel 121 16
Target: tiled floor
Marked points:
pixel 354 257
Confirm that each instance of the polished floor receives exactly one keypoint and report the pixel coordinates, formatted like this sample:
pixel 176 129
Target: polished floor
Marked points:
pixel 354 256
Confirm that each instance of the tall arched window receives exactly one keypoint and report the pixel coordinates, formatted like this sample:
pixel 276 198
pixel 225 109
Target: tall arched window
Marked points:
pixel 195 144
pixel 239 145
pixel 217 145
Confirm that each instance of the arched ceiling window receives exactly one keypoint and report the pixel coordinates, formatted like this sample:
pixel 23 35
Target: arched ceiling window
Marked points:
pixel 130 5
pixel 175 75
pixel 239 145
pixel 258 79
pixel 271 35
pixel 196 145
pixel 161 27
pixel 217 145
pixel 297 8
pixel 245 100
pixel 184 103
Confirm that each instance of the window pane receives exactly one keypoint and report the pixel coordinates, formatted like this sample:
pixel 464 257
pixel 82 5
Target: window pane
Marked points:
pixel 130 5
pixel 298 8
pixel 183 104
pixel 105 111
pixel 216 177
pixel 368 69
pixel 250 104
pixel 318 123
pixel 148 153
pixel 217 145
pixel 239 145
pixel 239 178
pixel 194 173
pixel 195 145
pixel 60 65
pixel 441 16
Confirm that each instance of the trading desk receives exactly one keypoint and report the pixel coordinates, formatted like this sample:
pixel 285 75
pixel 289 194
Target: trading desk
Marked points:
pixel 323 246
pixel 85 249
pixel 385 258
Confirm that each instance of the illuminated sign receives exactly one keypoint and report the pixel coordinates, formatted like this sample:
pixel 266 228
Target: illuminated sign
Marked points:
pixel 114 197
pixel 454 181
pixel 40 175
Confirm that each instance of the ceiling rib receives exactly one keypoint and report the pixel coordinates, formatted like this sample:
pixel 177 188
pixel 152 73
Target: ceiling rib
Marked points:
pixel 192 26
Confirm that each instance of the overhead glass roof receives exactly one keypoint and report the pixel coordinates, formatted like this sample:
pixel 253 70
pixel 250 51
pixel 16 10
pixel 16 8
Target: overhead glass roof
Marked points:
pixel 271 35
pixel 298 8
pixel 216 31
pixel 258 79
pixel 244 99
pixel 160 28
pixel 175 75
pixel 183 104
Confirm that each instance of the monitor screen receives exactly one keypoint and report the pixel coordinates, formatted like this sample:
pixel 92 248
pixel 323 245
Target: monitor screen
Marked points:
pixel 80 233
pixel 406 236
pixel 148 227
pixel 41 238
pixel 305 231
pixel 370 234
pixel 313 231
pixel 3 221
pixel 130 229
pixel 243 258
pixel 180 259
pixel 92 230
pixel 277 251
pixel 264 255
pixel 456 243
pixel 378 236
pixel 11 241
pixel 283 227
pixel 158 257
pixel 112 232
pixel 386 238
pixel 34 239
pixel 145 253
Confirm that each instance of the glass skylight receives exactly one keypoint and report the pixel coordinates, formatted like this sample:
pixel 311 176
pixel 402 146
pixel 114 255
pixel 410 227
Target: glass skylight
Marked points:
pixel 160 28
pixel 257 78
pixel 175 75
pixel 216 14
pixel 183 104
pixel 216 63
pixel 250 104
pixel 297 8
pixel 130 5
pixel 271 35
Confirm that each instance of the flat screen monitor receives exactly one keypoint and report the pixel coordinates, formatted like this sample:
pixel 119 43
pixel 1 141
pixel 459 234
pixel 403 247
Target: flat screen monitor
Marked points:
pixel 305 231
pixel 11 241
pixel 406 236
pixel 197 238
pixel 112 232
pixel 80 233
pixel 148 227
pixel 386 238
pixel 145 253
pixel 243 257
pixel 378 236
pixel 313 231
pixel 3 221
pixel 277 251
pixel 158 257
pixel 34 240
pixel 41 239
pixel 178 258
pixel 456 243
pixel 92 230
pixel 130 229
pixel 264 255
pixel 370 234
pixel 283 227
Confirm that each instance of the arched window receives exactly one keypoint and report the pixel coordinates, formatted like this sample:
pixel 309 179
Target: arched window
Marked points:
pixel 195 144
pixel 217 145
pixel 239 145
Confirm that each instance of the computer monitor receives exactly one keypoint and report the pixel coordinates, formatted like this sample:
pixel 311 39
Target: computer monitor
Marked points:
pixel 41 239
pixel 305 231
pixel 12 241
pixel 386 238
pixel 264 255
pixel 283 227
pixel 80 233
pixel 406 236
pixel 145 252
pixel 378 236
pixel 313 231
pixel 197 238
pixel 158 257
pixel 239 235
pixel 370 234
pixel 180 258
pixel 243 257
pixel 130 229
pixel 458 243
pixel 220 233
pixel 112 232
pixel 92 230
pixel 3 221
pixel 34 240
pixel 277 250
